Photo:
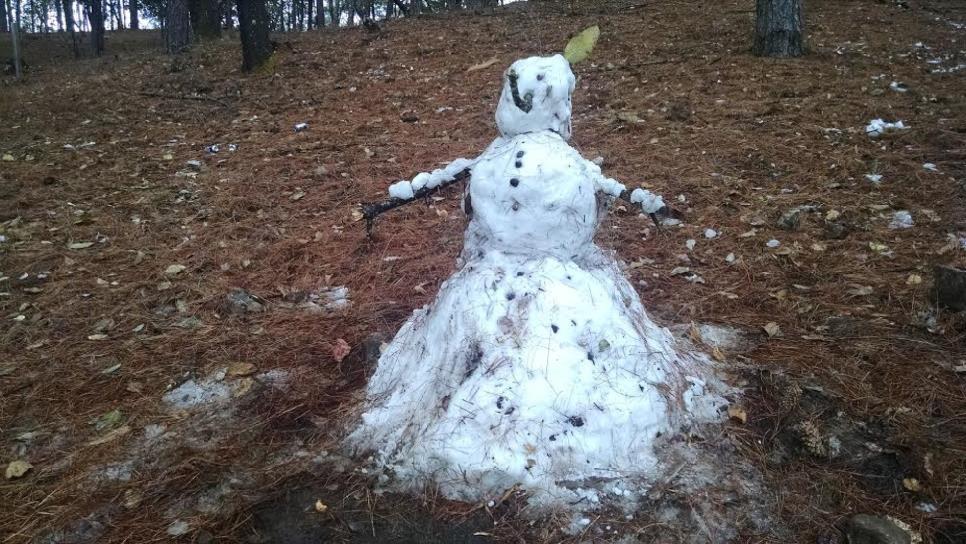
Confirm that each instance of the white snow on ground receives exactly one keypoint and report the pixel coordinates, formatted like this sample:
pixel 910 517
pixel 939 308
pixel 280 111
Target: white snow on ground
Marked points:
pixel 874 178
pixel 902 219
pixel 878 127
pixel 536 365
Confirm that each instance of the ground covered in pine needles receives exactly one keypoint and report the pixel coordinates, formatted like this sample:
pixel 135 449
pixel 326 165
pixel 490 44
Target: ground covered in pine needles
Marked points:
pixel 173 359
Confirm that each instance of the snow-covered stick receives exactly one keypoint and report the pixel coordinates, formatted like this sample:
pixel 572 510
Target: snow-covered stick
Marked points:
pixel 374 209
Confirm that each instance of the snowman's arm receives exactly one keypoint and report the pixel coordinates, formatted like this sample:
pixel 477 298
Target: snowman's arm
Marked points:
pixel 422 185
pixel 648 202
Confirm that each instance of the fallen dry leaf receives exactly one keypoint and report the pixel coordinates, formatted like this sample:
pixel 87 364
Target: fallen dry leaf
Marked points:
pixel 16 469
pixel 482 65
pixel 111 436
pixel 320 506
pixel 241 369
pixel 340 350
pixel 737 413
pixel 772 329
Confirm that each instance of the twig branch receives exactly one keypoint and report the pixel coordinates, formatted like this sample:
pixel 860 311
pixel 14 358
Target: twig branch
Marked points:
pixel 186 97
pixel 374 209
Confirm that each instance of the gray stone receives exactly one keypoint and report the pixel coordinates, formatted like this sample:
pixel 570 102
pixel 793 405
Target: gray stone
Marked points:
pixel 241 301
pixel 866 529
pixel 791 219
pixel 949 287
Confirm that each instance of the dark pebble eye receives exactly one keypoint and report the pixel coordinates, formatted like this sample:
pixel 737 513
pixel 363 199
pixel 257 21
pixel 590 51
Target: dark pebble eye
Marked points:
pixel 520 154
pixel 576 421
pixel 514 182
pixel 540 77
pixel 519 274
pixel 516 206
pixel 510 296
pixel 519 164
pixel 554 328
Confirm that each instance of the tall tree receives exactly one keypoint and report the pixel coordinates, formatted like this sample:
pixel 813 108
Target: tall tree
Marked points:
pixel 15 36
pixel 320 13
pixel 205 18
pixel 3 17
pixel 96 19
pixel 177 29
pixel 779 28
pixel 132 7
pixel 253 28
pixel 69 26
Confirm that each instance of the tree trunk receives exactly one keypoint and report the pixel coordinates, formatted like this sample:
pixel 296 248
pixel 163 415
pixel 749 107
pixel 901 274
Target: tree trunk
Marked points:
pixel 319 13
pixel 132 6
pixel 229 14
pixel 253 27
pixel 177 26
pixel 779 28
pixel 14 12
pixel 4 27
pixel 333 20
pixel 205 18
pixel 96 18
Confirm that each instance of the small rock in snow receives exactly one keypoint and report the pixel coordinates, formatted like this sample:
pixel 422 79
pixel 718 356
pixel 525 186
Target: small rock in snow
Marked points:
pixel 902 219
pixel 773 243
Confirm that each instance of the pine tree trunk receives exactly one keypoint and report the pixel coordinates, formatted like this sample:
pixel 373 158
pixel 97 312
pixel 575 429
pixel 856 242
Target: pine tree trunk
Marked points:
pixel 132 6
pixel 253 28
pixel 229 12
pixel 205 18
pixel 333 20
pixel 96 18
pixel 15 36
pixel 779 28
pixel 3 17
pixel 177 26
pixel 319 13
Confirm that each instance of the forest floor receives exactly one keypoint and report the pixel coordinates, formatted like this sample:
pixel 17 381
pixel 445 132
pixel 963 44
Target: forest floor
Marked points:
pixel 170 330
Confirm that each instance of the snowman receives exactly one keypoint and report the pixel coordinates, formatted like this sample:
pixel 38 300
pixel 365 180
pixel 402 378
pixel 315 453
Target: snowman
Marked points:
pixel 536 366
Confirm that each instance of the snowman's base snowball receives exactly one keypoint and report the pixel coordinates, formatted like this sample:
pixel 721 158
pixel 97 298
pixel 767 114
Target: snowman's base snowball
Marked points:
pixel 537 372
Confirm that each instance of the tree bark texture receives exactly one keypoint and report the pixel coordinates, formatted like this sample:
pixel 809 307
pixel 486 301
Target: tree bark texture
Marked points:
pixel 97 26
pixel 779 28
pixel 132 6
pixel 205 18
pixel 177 28
pixel 253 27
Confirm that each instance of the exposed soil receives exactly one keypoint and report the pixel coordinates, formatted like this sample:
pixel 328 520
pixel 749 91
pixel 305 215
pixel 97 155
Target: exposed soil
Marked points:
pixel 854 406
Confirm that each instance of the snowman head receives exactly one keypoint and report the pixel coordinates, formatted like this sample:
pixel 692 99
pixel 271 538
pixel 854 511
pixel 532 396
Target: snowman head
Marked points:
pixel 536 97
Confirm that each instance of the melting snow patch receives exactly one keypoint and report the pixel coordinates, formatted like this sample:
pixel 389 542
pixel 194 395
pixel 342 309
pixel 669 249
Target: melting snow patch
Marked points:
pixel 874 178
pixel 773 243
pixel 899 87
pixel 878 127
pixel 710 234
pixel 929 167
pixel 902 219
pixel 191 394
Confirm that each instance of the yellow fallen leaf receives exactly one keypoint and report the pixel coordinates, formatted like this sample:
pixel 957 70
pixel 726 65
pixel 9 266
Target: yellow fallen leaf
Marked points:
pixel 911 484
pixel 17 469
pixel 580 46
pixel 320 506
pixel 717 354
pixel 914 279
pixel 243 386
pixel 737 413
pixel 241 369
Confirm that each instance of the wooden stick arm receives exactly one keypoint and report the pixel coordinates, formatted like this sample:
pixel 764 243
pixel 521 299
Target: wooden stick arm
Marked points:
pixel 372 210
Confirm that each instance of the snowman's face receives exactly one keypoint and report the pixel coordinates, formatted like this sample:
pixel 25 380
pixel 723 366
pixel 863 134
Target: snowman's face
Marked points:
pixel 536 97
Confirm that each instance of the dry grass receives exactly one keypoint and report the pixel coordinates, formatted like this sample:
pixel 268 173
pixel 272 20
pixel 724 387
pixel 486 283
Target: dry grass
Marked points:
pixel 737 135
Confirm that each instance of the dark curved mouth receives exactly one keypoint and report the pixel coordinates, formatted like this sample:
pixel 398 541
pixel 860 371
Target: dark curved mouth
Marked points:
pixel 525 103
